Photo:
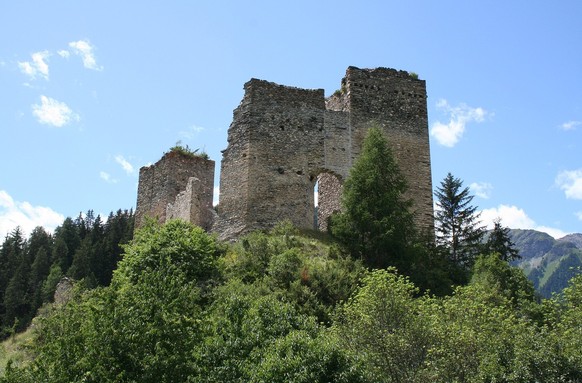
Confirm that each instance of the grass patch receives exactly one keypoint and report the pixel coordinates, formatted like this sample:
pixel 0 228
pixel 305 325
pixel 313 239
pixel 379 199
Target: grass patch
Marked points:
pixel 16 348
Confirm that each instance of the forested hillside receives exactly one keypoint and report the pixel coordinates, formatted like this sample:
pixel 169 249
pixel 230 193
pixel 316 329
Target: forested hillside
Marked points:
pixel 86 248
pixel 286 307
pixel 548 263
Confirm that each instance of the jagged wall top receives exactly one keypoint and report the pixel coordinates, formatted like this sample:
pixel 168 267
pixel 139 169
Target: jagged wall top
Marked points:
pixel 283 138
pixel 283 141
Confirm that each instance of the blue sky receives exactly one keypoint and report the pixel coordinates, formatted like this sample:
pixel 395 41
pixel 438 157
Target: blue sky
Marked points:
pixel 92 91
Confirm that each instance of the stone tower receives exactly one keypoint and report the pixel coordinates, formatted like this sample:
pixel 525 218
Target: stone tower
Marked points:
pixel 283 140
pixel 179 185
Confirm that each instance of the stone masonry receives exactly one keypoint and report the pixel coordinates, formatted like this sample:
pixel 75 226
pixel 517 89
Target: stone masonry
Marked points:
pixel 177 186
pixel 284 141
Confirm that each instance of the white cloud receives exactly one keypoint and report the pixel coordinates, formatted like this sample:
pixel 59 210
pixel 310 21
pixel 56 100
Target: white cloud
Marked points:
pixel 459 116
pixel 64 53
pixel 571 182
pixel 481 189
pixel 84 49
pixel 38 66
pixel 191 131
pixel 571 125
pixel 23 214
pixel 579 215
pixel 515 218
pixel 53 112
pixel 107 177
pixel 124 164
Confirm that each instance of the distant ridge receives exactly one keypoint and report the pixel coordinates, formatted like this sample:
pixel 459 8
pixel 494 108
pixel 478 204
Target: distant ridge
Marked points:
pixel 549 263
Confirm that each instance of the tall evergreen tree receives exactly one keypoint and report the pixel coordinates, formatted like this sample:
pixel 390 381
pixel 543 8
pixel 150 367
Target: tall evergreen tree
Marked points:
pixel 68 233
pixel 38 273
pixel 499 242
pixel 118 231
pixel 11 255
pixel 458 229
pixel 16 301
pixel 38 249
pixel 376 223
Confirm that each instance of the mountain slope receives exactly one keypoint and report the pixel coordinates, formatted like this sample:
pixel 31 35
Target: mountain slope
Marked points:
pixel 548 263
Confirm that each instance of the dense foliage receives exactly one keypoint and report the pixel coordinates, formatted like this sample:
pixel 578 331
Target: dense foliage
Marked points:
pixel 373 302
pixel 286 307
pixel 376 224
pixel 84 249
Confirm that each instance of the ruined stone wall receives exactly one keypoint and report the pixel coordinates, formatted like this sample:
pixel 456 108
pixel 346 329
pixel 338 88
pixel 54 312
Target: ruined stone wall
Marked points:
pixel 282 141
pixel 275 145
pixel 329 196
pixel 178 184
pixel 194 204
pixel 395 102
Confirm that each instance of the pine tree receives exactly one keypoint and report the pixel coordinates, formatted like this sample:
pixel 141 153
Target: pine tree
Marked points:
pixel 68 232
pixel 499 242
pixel 458 229
pixel 376 224
pixel 11 255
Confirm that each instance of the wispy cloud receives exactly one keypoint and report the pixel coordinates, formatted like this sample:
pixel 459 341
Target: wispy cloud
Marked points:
pixel 481 189
pixel 84 49
pixel 64 53
pixel 579 215
pixel 107 177
pixel 25 215
pixel 53 112
pixel 191 131
pixel 448 134
pixel 127 167
pixel 37 67
pixel 571 125
pixel 516 218
pixel 570 181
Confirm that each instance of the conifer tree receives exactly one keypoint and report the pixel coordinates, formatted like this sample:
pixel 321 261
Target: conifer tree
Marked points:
pixel 499 242
pixel 376 223
pixel 458 229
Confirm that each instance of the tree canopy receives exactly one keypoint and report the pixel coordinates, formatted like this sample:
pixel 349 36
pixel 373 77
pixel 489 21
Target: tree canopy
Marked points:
pixel 287 307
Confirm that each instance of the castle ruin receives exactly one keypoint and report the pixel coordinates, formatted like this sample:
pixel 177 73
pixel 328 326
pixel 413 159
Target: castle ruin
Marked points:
pixel 285 141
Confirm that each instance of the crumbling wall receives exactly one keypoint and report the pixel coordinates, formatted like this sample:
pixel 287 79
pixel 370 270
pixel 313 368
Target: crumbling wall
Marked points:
pixel 193 204
pixel 275 146
pixel 329 197
pixel 160 187
pixel 282 141
pixel 395 101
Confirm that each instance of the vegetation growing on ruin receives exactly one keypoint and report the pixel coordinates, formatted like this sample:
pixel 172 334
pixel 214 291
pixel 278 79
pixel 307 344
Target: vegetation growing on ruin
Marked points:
pixel 185 150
